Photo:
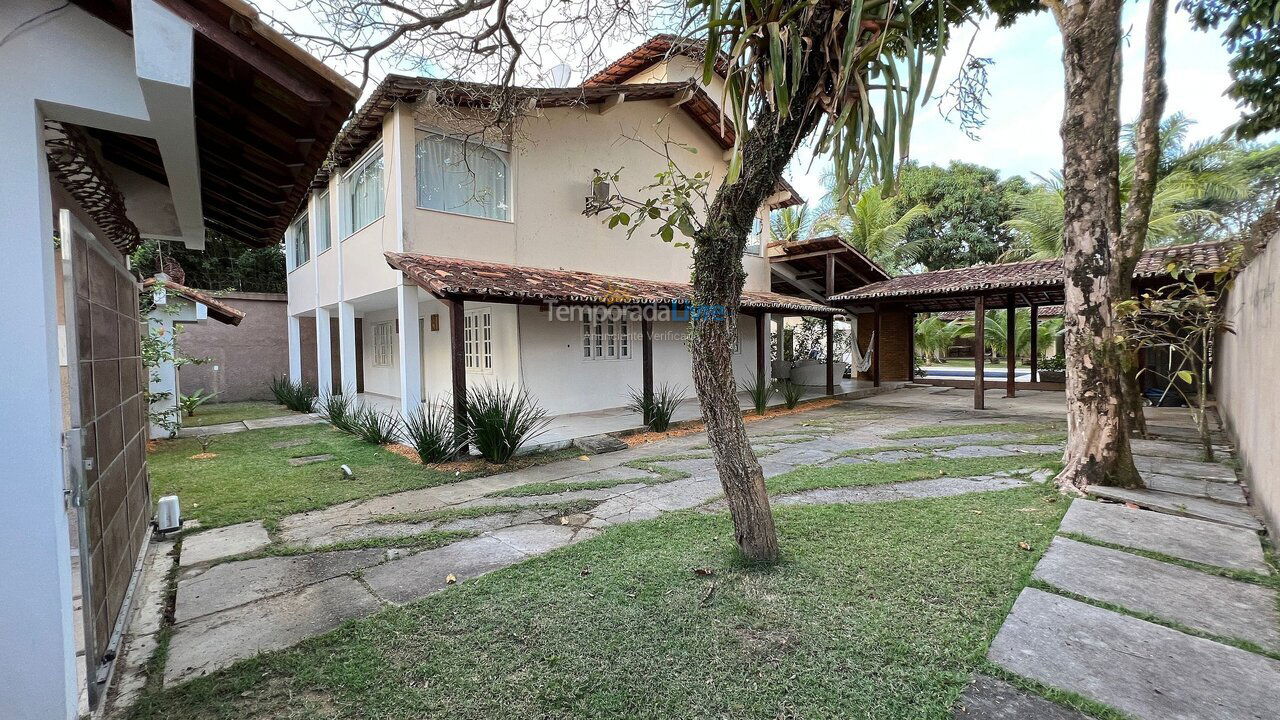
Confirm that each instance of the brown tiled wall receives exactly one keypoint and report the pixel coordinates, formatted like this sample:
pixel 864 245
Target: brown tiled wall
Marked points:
pixel 895 344
pixel 113 416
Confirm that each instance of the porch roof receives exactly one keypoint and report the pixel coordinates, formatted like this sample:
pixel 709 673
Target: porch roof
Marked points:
pixel 497 282
pixel 808 262
pixel 1037 282
pixel 218 310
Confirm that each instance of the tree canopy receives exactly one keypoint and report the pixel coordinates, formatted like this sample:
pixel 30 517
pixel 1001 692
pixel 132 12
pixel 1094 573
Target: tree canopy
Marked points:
pixel 967 208
pixel 223 264
pixel 1251 31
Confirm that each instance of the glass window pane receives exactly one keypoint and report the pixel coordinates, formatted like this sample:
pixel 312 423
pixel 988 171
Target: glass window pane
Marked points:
pixel 323 230
pixel 462 176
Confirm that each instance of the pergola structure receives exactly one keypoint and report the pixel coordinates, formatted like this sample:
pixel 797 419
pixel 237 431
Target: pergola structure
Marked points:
pixel 1009 286
pixel 454 281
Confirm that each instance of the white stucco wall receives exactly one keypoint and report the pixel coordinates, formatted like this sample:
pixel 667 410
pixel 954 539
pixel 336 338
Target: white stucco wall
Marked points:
pixel 1248 365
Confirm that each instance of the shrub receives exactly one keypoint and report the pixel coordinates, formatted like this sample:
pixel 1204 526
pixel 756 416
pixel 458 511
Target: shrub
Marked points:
pixel 430 431
pixel 1055 363
pixel 339 411
pixel 189 403
pixel 657 410
pixel 760 390
pixel 501 420
pixel 299 396
pixel 791 393
pixel 376 427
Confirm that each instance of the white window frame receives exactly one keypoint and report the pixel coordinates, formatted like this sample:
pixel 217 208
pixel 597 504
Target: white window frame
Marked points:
pixel 477 340
pixel 348 225
pixel 293 242
pixel 495 146
pixel 324 235
pixel 384 342
pixel 605 338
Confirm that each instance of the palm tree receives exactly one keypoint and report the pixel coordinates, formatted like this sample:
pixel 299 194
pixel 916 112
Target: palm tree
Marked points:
pixel 875 227
pixel 1192 180
pixel 995 333
pixel 792 224
pixel 935 336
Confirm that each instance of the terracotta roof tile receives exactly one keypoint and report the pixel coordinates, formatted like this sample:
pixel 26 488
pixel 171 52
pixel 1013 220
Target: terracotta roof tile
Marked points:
pixel 653 50
pixel 443 276
pixel 218 310
pixel 1029 275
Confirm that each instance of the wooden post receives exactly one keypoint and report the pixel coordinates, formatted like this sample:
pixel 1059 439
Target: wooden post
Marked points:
pixel 646 357
pixel 1010 344
pixel 911 347
pixel 1035 344
pixel 831 274
pixel 458 364
pixel 979 353
pixel 762 345
pixel 831 351
pixel 875 349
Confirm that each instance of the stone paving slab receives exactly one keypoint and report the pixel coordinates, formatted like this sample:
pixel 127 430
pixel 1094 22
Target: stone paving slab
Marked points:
pixel 417 576
pixel 1216 472
pixel 309 460
pixel 1181 505
pixel 219 429
pixel 223 542
pixel 539 538
pixel 1184 538
pixel 1217 605
pixel 1183 433
pixel 1192 487
pixel 215 641
pixel 916 489
pixel 986 698
pixel 974 451
pixel 283 421
pixel 207 590
pixel 1146 670
pixel 1174 450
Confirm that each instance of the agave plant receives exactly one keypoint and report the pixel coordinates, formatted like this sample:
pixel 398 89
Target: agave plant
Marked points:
pixel 502 420
pixel 791 393
pixel 658 409
pixel 298 396
pixel 431 432
pixel 758 387
pixel 376 427
pixel 338 410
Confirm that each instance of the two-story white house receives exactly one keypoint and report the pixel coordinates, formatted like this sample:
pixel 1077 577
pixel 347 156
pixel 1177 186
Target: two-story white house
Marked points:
pixel 444 252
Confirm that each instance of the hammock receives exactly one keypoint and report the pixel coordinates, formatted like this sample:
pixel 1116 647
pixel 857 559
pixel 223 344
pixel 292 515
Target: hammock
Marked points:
pixel 862 363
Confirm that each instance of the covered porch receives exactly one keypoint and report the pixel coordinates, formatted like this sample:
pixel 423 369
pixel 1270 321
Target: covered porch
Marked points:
pixel 1007 286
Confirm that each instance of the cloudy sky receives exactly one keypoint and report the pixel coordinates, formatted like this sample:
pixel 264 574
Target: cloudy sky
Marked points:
pixel 1025 103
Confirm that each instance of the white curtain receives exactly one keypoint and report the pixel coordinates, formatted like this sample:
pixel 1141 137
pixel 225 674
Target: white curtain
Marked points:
pixel 466 178
pixel 364 194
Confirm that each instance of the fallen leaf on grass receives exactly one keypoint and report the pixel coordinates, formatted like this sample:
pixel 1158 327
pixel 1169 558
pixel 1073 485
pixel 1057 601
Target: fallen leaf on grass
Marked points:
pixel 450 579
pixel 586 572
pixel 1024 545
pixel 704 571
pixel 203 456
pixel 1028 509
pixel 976 512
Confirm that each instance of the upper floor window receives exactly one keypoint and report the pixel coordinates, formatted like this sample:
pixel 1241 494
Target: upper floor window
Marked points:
pixel 298 242
pixel 462 177
pixel 362 195
pixel 323 232
pixel 755 239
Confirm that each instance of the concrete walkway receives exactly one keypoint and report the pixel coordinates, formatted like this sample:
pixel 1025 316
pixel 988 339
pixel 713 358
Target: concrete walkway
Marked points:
pixel 228 608
pixel 259 424
pixel 1172 633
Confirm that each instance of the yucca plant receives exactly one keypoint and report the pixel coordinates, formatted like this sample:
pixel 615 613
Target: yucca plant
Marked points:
pixel 430 431
pixel 791 393
pixel 758 387
pixel 338 410
pixel 299 396
pixel 376 427
pixel 658 410
pixel 501 420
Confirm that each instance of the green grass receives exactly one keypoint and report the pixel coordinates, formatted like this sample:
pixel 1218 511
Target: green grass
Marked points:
pixel 930 431
pixel 218 413
pixel 809 477
pixel 876 611
pixel 248 480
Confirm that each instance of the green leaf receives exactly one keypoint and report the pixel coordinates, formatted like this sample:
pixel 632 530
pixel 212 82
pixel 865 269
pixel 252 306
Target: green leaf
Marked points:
pixel 1185 376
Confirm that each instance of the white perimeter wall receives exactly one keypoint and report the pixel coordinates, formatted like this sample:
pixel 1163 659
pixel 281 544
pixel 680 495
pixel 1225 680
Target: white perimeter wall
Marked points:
pixel 1247 373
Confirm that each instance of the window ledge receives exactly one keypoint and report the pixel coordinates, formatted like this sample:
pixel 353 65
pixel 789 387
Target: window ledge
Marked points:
pixel 464 215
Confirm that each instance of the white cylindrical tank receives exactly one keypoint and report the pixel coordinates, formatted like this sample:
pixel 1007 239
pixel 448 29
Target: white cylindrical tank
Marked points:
pixel 168 514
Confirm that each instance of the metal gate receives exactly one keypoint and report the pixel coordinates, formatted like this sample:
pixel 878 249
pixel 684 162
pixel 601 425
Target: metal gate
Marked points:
pixel 106 442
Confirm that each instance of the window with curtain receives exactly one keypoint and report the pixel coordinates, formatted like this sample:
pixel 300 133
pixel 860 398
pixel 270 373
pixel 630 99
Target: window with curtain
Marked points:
pixel 362 194
pixel 462 177
pixel 299 245
pixel 323 238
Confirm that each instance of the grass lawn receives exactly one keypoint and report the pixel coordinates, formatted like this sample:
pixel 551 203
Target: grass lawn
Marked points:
pixel 876 611
pixel 809 477
pixel 250 480
pixel 218 413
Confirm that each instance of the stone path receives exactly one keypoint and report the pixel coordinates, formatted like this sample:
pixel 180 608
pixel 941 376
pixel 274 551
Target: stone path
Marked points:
pixel 260 424
pixel 1151 637
pixel 228 609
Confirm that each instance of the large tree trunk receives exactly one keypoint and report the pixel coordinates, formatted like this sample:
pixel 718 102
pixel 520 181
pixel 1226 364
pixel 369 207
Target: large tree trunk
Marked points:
pixel 1098 444
pixel 1146 169
pixel 718 278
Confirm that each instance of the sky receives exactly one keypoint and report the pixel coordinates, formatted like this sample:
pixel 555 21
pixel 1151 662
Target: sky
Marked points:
pixel 1024 106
